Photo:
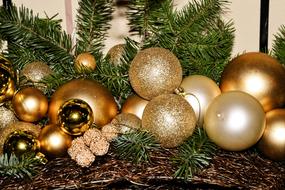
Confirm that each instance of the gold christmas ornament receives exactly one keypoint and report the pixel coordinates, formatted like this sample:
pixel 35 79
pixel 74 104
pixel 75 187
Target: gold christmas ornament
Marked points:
pixel 75 117
pixel 92 134
pixel 135 105
pixel 53 141
pixel 30 104
pixel 110 132
pixel 7 117
pixel 272 143
pixel 85 61
pixel 170 118
pixel 155 71
pixel 258 74
pixel 199 92
pixel 234 121
pixel 98 97
pixel 36 71
pixel 115 53
pixel 126 122
pixel 19 137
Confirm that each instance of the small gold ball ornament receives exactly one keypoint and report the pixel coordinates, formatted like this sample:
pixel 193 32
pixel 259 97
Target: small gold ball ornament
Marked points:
pixel 155 71
pixel 115 53
pixel 272 143
pixel 36 71
pixel 135 105
pixel 170 118
pixel 234 121
pixel 85 61
pixel 75 117
pixel 30 104
pixel 258 74
pixel 53 141
pixel 126 122
pixel 7 116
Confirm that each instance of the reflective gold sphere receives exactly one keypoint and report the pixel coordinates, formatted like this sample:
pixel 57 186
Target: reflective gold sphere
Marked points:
pixel 272 143
pixel 85 61
pixel 258 74
pixel 135 105
pixel 98 97
pixel 30 104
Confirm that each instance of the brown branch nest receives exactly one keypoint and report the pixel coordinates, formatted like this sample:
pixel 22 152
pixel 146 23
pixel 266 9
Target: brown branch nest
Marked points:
pixel 228 170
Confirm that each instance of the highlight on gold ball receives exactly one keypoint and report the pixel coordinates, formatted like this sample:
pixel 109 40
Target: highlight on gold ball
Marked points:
pixel 85 61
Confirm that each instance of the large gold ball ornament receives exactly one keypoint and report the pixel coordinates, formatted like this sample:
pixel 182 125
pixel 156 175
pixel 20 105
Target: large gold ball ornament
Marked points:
pixel 75 117
pixel 134 105
pixel 272 143
pixel 53 141
pixel 36 71
pixel 258 74
pixel 234 120
pixel 199 92
pixel 30 104
pixel 98 97
pixel 85 61
pixel 170 118
pixel 6 117
pixel 155 71
pixel 116 53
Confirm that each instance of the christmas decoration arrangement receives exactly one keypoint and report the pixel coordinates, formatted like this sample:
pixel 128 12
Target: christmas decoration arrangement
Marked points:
pixel 173 110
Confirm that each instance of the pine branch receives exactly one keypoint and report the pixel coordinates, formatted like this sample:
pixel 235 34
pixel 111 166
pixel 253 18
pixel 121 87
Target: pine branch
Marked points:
pixel 278 47
pixel 194 154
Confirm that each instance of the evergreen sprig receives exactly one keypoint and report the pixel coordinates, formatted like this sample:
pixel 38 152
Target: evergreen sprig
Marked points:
pixel 194 154
pixel 278 47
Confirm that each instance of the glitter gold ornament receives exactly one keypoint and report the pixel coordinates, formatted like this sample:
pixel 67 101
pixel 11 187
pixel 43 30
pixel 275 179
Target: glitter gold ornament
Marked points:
pixel 234 120
pixel 170 118
pixel 98 97
pixel 53 141
pixel 258 74
pixel 135 105
pixel 36 71
pixel 155 71
pixel 110 132
pixel 30 104
pixel 126 122
pixel 7 117
pixel 19 137
pixel 85 61
pixel 272 143
pixel 75 117
pixel 115 53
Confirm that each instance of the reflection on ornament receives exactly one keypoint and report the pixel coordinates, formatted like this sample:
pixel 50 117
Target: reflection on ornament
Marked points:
pixel 170 118
pixel 135 105
pixel 36 71
pixel 75 117
pixel 98 97
pixel 85 61
pixel 234 120
pixel 155 71
pixel 258 74
pixel 30 104
pixel 115 53
pixel 6 117
pixel 272 143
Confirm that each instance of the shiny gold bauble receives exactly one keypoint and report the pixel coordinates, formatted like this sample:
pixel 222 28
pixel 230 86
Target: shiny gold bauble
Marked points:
pixel 272 143
pixel 155 71
pixel 30 104
pixel 98 97
pixel 85 61
pixel 116 53
pixel 257 74
pixel 199 92
pixel 6 117
pixel 135 105
pixel 53 141
pixel 75 117
pixel 36 71
pixel 18 130
pixel 170 118
pixel 234 120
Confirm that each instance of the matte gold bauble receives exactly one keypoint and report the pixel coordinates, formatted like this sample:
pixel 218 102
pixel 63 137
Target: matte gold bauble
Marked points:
pixel 23 137
pixel 135 105
pixel 6 117
pixel 257 74
pixel 155 71
pixel 115 53
pixel 272 143
pixel 75 117
pixel 85 61
pixel 36 71
pixel 30 104
pixel 199 92
pixel 53 141
pixel 98 97
pixel 170 118
pixel 234 120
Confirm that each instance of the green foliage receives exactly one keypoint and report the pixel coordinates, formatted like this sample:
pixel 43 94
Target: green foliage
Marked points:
pixel 278 47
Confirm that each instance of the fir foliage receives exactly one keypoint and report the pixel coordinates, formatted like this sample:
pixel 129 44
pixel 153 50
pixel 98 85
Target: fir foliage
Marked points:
pixel 278 48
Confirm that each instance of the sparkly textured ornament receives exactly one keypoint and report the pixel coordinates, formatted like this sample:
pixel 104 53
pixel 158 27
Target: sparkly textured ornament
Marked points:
pixel 200 92
pixel 92 134
pixel 85 61
pixel 115 53
pixel 110 132
pixel 170 118
pixel 7 117
pixel 53 141
pixel 135 105
pixel 155 71
pixel 272 143
pixel 75 117
pixel 234 120
pixel 257 74
pixel 126 122
pixel 30 104
pixel 36 71
pixel 19 137
pixel 98 97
